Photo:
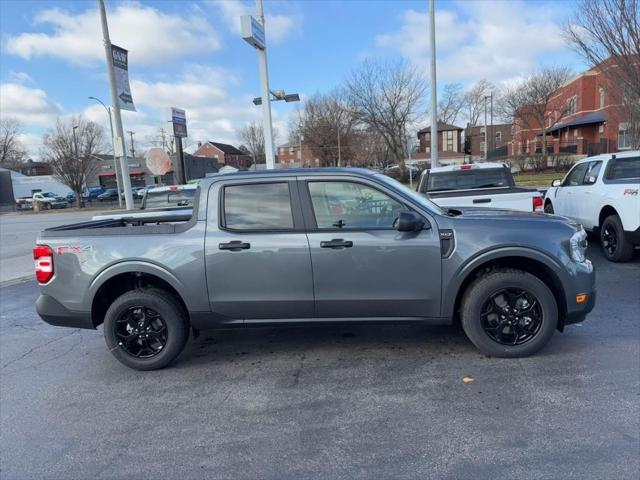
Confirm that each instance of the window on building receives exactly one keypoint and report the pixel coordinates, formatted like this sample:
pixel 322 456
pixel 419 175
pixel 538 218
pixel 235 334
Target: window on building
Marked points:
pixel 427 136
pixel 601 97
pixel 498 136
pixel 449 141
pixel 265 206
pixel 575 132
pixel 482 134
pixel 624 134
pixel 571 105
pixel 482 146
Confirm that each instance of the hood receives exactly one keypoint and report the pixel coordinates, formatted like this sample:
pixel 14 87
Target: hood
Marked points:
pixel 483 214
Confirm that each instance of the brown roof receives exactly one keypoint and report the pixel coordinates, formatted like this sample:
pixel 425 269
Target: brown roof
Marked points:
pixel 227 149
pixel 442 127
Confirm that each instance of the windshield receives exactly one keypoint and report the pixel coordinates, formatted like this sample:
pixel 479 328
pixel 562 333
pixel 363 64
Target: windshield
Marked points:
pixel 48 195
pixel 466 179
pixel 416 197
pixel 170 198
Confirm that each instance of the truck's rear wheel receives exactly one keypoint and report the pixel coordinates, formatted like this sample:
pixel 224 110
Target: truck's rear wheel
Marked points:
pixel 615 244
pixel 509 313
pixel 548 208
pixel 146 329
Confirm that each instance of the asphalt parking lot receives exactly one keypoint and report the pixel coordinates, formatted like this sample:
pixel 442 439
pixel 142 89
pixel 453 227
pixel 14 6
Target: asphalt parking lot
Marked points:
pixel 326 402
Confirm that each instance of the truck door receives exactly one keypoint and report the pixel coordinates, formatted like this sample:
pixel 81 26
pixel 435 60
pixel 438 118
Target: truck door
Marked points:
pixel 363 266
pixel 585 212
pixel 566 197
pixel 256 251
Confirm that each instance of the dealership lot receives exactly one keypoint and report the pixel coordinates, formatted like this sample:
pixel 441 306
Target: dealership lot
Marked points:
pixel 331 402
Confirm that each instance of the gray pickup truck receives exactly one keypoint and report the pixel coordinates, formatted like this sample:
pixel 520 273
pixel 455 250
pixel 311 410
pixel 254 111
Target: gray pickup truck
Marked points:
pixel 311 246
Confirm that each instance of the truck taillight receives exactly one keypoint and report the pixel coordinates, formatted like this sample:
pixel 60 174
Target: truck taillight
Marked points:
pixel 537 204
pixel 43 256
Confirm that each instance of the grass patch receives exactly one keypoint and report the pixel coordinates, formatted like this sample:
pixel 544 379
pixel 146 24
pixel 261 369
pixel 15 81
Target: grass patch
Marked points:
pixel 537 179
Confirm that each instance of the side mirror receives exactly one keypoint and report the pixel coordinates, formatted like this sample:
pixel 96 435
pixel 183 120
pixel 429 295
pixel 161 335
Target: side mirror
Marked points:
pixel 556 183
pixel 409 222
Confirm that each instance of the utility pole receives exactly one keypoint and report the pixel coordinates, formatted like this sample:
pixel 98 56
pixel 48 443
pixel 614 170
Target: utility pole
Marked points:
pixel 434 84
pixel 119 142
pixel 486 133
pixel 133 150
pixel 266 99
pixel 339 151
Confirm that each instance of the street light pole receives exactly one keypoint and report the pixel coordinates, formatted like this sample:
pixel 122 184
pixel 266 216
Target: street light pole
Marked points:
pixel 266 103
pixel 126 180
pixel 113 147
pixel 434 85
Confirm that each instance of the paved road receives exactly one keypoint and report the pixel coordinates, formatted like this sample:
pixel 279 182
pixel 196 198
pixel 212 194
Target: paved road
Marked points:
pixel 326 402
pixel 18 234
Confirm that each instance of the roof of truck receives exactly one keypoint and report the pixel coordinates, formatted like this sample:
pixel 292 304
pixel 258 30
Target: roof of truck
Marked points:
pixel 289 172
pixel 468 166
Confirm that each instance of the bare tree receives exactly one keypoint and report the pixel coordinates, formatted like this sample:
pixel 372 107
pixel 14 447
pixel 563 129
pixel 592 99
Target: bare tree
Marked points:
pixel 452 101
pixel 12 152
pixel 387 98
pixel 327 127
pixel 252 135
pixel 532 104
pixel 475 98
pixel 610 29
pixel 70 155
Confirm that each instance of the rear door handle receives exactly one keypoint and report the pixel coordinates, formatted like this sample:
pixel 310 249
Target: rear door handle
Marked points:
pixel 482 200
pixel 234 246
pixel 337 243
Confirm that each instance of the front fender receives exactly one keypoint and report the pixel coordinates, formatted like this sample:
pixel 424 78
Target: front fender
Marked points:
pixel 457 279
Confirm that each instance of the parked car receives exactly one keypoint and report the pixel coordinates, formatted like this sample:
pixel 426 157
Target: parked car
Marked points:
pixel 109 194
pixel 49 200
pixel 489 185
pixel 309 246
pixel 70 197
pixel 603 194
pixel 24 203
pixel 91 193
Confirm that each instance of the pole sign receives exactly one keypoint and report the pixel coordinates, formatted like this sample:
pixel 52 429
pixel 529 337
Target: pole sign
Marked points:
pixel 252 31
pixel 121 70
pixel 179 121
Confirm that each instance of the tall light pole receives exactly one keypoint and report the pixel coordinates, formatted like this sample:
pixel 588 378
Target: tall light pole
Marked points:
pixel 434 84
pixel 119 143
pixel 113 147
pixel 266 104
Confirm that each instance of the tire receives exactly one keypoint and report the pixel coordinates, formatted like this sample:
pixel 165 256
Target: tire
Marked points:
pixel 477 326
pixel 616 246
pixel 166 333
pixel 548 208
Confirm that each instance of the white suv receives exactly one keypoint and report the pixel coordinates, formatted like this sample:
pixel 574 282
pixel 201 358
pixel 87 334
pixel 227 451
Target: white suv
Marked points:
pixel 603 194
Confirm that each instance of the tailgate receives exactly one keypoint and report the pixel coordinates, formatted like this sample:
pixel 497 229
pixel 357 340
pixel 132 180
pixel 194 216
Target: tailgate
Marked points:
pixel 509 200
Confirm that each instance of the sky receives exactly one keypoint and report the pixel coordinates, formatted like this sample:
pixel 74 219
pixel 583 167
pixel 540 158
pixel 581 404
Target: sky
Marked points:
pixel 189 54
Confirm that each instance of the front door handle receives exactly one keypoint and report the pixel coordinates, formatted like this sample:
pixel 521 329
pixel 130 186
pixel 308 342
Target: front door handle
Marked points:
pixel 481 200
pixel 337 243
pixel 234 246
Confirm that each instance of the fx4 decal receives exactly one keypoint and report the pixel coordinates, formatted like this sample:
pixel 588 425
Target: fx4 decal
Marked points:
pixel 75 249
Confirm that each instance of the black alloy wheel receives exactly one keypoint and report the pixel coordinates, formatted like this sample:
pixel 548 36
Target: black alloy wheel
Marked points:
pixel 141 332
pixel 511 316
pixel 609 239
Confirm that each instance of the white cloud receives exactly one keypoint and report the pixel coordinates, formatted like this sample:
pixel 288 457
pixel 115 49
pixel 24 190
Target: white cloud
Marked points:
pixel 31 106
pixel 278 26
pixel 20 77
pixel 151 36
pixel 497 40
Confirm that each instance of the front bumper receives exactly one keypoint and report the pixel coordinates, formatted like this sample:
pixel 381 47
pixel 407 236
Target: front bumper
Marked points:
pixel 582 281
pixel 54 313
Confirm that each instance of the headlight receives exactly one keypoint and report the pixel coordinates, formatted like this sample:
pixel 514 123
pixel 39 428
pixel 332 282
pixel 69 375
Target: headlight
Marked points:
pixel 578 244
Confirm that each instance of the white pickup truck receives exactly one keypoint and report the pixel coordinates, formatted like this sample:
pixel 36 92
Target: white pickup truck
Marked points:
pixel 487 185
pixel 603 194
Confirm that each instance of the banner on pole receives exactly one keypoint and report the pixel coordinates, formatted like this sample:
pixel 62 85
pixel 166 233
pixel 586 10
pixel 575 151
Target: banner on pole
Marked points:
pixel 179 121
pixel 121 69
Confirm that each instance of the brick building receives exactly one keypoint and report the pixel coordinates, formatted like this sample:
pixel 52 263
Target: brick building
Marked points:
pixel 449 144
pixel 288 155
pixel 593 122
pixel 499 139
pixel 224 153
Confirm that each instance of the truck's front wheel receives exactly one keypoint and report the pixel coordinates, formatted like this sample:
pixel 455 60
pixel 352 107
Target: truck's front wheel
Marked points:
pixel 146 329
pixel 509 313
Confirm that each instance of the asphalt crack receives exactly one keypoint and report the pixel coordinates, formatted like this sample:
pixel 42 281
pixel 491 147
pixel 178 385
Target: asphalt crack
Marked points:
pixel 38 347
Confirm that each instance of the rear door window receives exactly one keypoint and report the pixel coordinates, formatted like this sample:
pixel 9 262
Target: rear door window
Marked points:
pixel 258 206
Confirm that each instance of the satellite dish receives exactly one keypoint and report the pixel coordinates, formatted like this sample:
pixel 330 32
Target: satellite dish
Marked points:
pixel 157 161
